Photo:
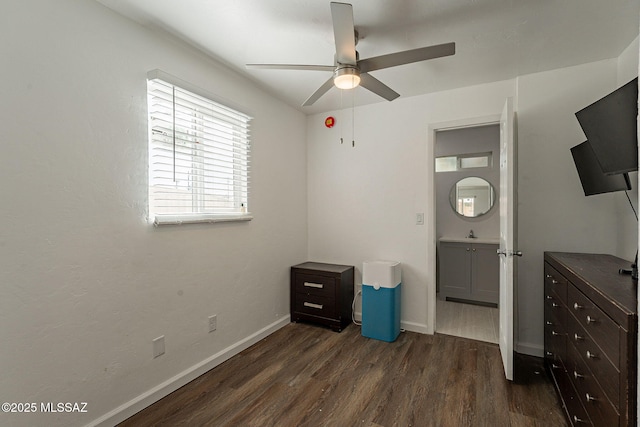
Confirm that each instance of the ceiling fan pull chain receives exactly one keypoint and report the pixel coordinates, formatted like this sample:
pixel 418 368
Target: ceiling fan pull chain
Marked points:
pixel 341 109
pixel 353 119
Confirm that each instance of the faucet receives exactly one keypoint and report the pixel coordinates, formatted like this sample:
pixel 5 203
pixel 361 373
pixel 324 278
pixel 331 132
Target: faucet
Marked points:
pixel 471 236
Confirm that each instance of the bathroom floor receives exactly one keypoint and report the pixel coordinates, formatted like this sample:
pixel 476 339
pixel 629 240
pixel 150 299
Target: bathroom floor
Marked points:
pixel 467 321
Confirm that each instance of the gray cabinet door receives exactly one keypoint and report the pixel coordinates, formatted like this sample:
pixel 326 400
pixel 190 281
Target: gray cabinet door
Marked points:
pixel 485 283
pixel 469 271
pixel 455 270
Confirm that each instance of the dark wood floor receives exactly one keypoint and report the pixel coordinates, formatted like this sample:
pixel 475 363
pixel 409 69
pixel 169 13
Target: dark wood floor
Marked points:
pixel 305 375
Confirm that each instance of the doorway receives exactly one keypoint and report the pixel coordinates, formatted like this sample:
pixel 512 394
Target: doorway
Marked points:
pixel 470 150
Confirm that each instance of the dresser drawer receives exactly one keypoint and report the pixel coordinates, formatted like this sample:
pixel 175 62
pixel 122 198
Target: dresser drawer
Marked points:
pixel 575 411
pixel 599 367
pixel 555 334
pixel 316 305
pixel 601 411
pixel 555 282
pixel 603 330
pixel 311 284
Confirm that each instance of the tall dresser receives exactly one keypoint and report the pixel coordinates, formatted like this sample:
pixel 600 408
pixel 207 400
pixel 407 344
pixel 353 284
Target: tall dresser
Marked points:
pixel 590 337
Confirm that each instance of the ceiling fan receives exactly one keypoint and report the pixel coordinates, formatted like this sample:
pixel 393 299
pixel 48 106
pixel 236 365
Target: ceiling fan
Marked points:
pixel 349 71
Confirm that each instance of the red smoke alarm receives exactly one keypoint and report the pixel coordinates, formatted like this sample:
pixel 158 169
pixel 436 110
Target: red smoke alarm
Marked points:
pixel 329 122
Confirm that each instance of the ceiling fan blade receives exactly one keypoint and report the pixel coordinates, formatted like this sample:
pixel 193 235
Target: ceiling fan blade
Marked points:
pixel 407 57
pixel 344 33
pixel 367 81
pixel 318 93
pixel 291 67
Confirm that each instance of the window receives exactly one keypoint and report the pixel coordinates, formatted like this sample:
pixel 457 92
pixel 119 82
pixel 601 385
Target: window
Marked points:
pixel 463 161
pixel 198 156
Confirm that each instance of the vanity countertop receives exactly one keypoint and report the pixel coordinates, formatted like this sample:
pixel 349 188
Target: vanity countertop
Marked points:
pixel 487 240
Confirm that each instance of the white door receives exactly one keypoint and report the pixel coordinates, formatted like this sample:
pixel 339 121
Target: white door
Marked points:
pixel 507 235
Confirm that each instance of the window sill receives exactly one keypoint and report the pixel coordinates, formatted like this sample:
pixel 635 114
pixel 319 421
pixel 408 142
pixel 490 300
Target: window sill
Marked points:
pixel 199 218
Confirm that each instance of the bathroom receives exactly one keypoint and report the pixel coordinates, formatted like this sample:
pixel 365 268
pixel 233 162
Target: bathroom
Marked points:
pixel 467 182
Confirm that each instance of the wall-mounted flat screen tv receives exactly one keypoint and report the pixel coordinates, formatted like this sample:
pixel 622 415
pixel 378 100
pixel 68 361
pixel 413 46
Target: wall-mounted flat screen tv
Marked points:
pixel 610 125
pixel 593 180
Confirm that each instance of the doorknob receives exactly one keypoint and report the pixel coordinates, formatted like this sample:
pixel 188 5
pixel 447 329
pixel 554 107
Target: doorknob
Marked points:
pixel 516 253
pixel 499 252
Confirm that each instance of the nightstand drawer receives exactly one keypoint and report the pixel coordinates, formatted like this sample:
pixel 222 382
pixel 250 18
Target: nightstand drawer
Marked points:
pixel 311 284
pixel 316 305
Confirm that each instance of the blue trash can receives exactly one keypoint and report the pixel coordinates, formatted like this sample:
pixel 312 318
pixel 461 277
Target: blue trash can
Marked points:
pixel 381 285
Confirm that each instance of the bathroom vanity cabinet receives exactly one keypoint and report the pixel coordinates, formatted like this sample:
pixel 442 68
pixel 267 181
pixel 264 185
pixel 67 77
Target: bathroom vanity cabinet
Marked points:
pixel 469 270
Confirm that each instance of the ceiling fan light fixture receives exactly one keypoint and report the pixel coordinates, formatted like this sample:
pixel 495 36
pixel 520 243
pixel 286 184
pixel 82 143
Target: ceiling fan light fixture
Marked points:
pixel 346 77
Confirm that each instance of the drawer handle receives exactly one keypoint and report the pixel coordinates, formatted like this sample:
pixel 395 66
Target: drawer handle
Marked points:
pixel 576 375
pixel 591 319
pixel 312 305
pixel 590 398
pixel 578 420
pixel 554 366
pixel 577 337
pixel 555 334
pixel 577 306
pixel 549 353
pixel 549 276
pixel 554 281
pixel 554 304
pixel 591 355
pixel 549 297
pixel 548 323
pixel 313 285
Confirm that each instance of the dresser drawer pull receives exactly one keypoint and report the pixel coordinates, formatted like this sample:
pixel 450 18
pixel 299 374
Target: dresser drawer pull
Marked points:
pixel 549 354
pixel 554 366
pixel 312 305
pixel 577 306
pixel 549 276
pixel 554 281
pixel 578 420
pixel 590 398
pixel 313 285
pixel 576 375
pixel 577 337
pixel 555 334
pixel 548 323
pixel 549 297
pixel 591 355
pixel 591 319
pixel 554 304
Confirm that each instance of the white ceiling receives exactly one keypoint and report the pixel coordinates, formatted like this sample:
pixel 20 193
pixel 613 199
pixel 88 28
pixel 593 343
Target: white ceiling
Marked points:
pixel 495 39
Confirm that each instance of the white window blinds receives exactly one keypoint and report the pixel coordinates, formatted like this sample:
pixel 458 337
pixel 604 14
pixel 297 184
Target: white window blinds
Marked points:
pixel 198 157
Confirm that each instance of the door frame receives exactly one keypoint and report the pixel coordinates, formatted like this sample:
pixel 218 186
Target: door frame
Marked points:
pixel 430 219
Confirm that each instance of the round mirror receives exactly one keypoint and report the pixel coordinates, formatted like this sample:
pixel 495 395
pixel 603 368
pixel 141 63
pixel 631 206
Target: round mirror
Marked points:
pixel 472 197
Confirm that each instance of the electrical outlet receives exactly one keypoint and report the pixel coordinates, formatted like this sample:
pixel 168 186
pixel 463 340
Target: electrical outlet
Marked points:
pixel 213 322
pixel 158 346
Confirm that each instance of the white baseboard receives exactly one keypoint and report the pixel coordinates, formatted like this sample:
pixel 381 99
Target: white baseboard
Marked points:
pixel 414 327
pixel 137 404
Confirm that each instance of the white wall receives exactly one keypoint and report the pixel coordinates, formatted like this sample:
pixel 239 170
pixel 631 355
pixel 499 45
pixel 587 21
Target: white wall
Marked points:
pixel 86 282
pixel 553 213
pixel 627 222
pixel 363 200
